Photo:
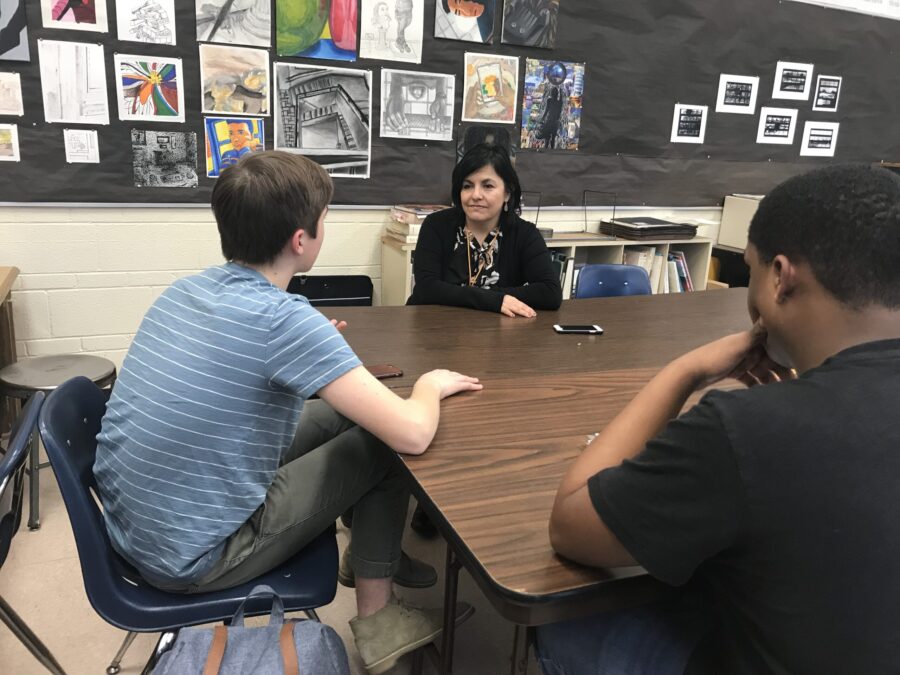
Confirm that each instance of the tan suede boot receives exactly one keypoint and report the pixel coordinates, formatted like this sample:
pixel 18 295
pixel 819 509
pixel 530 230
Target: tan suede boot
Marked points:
pixel 397 629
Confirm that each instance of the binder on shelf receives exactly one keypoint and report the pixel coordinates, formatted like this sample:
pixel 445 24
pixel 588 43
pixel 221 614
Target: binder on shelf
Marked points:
pixel 414 213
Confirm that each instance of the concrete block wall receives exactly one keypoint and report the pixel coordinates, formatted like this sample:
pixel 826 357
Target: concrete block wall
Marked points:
pixel 88 274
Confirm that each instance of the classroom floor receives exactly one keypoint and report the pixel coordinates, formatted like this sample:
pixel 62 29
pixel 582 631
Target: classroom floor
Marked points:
pixel 41 579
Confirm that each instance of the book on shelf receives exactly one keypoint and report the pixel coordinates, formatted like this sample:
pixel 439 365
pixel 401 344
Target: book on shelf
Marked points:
pixel 559 261
pixel 414 213
pixel 672 273
pixel 403 229
pixel 684 272
pixel 640 256
pixel 659 259
pixel 576 268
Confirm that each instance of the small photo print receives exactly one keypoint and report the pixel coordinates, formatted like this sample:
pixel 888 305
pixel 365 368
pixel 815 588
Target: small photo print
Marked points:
pixel 777 126
pixel 81 146
pixel 9 143
pixel 417 105
pixel 689 123
pixel 828 93
pixel 164 159
pixel 229 139
pixel 793 80
pixel 819 139
pixel 737 94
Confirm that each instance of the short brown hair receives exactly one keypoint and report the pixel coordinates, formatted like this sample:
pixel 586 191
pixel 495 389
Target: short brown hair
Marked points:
pixel 263 199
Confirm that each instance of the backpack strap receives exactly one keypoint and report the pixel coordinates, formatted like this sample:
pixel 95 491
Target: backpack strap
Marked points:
pixel 216 651
pixel 288 649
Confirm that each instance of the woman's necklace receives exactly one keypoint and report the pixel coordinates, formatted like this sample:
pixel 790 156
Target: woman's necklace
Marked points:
pixel 481 261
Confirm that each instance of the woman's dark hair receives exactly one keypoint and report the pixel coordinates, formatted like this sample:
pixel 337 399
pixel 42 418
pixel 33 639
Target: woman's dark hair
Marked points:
pixel 844 222
pixel 480 156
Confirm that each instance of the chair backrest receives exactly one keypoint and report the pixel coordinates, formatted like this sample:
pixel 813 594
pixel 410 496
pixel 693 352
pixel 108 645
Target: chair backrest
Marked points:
pixel 12 468
pixel 351 290
pixel 603 281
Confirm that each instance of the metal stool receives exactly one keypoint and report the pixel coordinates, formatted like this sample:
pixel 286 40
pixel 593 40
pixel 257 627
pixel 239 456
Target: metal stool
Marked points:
pixel 45 373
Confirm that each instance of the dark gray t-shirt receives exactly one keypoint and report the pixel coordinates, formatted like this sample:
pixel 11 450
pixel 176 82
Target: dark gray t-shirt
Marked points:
pixel 783 501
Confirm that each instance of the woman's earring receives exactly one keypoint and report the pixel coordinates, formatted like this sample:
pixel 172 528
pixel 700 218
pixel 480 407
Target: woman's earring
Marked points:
pixel 506 205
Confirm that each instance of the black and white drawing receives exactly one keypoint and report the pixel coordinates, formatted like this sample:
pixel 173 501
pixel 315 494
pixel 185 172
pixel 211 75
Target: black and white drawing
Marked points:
pixel 417 105
pixel 324 113
pixel 391 30
pixel 828 93
pixel 164 158
pixel 793 80
pixel 13 31
pixel 737 94
pixel 689 123
pixel 237 22
pixel 777 126
pixel 819 139
pixel 73 82
pixel 151 21
pixel 530 23
pixel 11 94
pixel 81 146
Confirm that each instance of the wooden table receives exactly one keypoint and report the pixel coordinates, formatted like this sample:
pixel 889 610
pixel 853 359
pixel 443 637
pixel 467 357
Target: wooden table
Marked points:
pixel 489 478
pixel 7 341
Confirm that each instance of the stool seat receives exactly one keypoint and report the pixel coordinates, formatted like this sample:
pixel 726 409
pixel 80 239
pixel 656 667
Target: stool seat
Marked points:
pixel 46 373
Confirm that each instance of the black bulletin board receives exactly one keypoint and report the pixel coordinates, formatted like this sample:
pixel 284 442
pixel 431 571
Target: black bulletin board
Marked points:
pixel 642 57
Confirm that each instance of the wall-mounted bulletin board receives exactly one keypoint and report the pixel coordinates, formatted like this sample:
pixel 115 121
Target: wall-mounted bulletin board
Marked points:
pixel 660 102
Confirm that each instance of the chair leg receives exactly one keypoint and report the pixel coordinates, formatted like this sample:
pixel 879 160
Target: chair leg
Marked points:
pixel 311 614
pixel 115 665
pixel 34 483
pixel 21 630
pixel 164 644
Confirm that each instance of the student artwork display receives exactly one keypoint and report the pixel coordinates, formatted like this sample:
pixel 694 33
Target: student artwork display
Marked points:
pixel 11 94
pixel 74 14
pixel 469 20
pixel 417 105
pixel 776 126
pixel 551 105
pixel 151 21
pixel 689 123
pixel 324 113
pixel 9 143
pixel 164 158
pixel 530 23
pixel 149 88
pixel 737 94
pixel 73 82
pixel 793 80
pixel 235 80
pixel 13 31
pixel 227 140
pixel 819 139
pixel 828 93
pixel 81 146
pixel 391 30
pixel 316 29
pixel 238 22
pixel 489 89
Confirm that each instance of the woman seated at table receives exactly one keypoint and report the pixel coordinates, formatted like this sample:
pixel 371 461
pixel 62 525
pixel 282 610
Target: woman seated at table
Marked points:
pixel 480 253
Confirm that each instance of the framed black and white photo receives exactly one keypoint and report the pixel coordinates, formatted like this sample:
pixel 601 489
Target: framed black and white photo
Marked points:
pixel 793 80
pixel 828 92
pixel 737 94
pixel 689 123
pixel 777 125
pixel 819 139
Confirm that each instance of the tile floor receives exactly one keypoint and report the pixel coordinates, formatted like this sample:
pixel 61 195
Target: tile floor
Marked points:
pixel 41 579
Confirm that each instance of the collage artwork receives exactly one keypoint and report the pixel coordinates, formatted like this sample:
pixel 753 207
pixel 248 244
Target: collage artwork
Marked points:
pixel 318 110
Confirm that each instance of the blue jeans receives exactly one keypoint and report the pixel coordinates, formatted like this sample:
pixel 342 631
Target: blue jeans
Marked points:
pixel 652 640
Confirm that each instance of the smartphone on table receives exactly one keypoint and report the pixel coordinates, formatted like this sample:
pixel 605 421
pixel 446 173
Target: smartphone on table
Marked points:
pixel 384 370
pixel 585 329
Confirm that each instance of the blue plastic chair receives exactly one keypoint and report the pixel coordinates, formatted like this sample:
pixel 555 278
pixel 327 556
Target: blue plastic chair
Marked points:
pixel 69 423
pixel 606 281
pixel 12 478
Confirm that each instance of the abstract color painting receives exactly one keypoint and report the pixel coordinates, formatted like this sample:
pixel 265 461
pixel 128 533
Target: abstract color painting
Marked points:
pixel 149 88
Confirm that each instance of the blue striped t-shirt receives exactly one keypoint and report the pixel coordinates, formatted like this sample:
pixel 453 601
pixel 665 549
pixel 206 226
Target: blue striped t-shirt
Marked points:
pixel 207 401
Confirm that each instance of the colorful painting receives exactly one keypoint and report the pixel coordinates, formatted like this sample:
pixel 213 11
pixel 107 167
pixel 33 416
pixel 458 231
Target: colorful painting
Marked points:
pixel 13 31
pixel 417 105
pixel 235 80
pixel 149 88
pixel 73 82
pixel 151 21
pixel 551 105
pixel 490 88
pixel 391 30
pixel 469 20
pixel 315 29
pixel 530 23
pixel 9 143
pixel 324 113
pixel 164 158
pixel 74 14
pixel 227 140
pixel 235 22
pixel 11 94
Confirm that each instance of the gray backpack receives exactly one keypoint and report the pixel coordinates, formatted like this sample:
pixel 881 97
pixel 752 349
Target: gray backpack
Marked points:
pixel 292 648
